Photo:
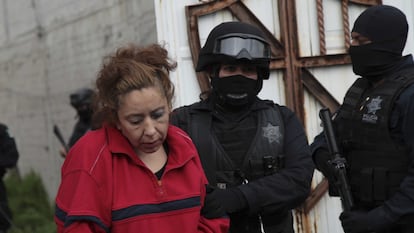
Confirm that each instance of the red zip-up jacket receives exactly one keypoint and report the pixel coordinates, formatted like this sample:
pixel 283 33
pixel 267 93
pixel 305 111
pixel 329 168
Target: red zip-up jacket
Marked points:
pixel 105 187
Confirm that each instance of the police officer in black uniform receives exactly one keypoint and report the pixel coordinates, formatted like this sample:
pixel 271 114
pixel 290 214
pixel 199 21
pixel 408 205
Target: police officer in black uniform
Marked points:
pixel 81 101
pixel 375 126
pixel 254 152
pixel 8 159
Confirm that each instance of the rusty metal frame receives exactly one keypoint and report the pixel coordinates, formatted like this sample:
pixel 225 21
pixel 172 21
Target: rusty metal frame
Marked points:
pixel 285 55
pixel 241 12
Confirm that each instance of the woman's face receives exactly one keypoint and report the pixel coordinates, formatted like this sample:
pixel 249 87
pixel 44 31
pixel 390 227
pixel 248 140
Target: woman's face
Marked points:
pixel 143 117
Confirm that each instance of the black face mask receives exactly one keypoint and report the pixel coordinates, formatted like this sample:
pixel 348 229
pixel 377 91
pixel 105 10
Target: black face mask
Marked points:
pixel 372 62
pixel 235 91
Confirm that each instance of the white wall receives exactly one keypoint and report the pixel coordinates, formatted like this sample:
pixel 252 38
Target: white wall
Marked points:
pixel 171 28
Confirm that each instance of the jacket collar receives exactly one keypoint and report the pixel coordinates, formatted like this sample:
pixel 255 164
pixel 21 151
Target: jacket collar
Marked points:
pixel 179 143
pixel 208 105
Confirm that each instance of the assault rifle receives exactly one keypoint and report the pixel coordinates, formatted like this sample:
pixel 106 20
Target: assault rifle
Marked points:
pixel 337 161
pixel 59 136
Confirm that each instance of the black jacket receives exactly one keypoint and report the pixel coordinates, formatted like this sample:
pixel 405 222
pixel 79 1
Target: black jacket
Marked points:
pixel 401 128
pixel 273 195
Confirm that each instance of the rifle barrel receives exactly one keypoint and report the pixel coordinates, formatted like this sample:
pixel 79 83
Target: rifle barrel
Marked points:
pixel 59 136
pixel 338 162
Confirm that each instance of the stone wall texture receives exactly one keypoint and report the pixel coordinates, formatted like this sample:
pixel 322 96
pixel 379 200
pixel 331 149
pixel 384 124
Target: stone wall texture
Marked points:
pixel 48 49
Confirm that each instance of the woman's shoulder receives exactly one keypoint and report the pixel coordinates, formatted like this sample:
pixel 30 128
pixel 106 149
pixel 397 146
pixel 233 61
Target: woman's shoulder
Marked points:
pixel 180 141
pixel 87 151
pixel 178 135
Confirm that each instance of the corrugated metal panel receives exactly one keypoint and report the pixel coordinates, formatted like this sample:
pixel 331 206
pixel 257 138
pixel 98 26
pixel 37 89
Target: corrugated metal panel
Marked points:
pixel 172 28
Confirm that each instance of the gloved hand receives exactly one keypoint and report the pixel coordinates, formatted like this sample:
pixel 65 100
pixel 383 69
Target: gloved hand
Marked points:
pixel 359 221
pixel 321 159
pixel 232 199
pixel 212 207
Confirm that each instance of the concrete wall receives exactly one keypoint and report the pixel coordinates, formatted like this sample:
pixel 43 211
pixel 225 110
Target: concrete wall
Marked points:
pixel 47 50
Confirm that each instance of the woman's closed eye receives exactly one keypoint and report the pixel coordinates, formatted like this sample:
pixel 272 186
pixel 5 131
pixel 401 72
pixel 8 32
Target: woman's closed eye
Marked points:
pixel 135 120
pixel 158 113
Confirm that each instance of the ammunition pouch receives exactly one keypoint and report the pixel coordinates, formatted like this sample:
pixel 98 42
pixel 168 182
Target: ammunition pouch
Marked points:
pixel 266 166
pixel 376 185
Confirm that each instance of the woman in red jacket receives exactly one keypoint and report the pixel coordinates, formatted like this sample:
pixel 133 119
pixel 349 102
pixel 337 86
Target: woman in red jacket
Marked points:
pixel 136 173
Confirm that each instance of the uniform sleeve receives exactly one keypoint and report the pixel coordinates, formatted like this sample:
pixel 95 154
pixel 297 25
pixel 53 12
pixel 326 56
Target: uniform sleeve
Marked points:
pixel 179 118
pixel 288 188
pixel 402 202
pixel 320 157
pixel 209 225
pixel 319 142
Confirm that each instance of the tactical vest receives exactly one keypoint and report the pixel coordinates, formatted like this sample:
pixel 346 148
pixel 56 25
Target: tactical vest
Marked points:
pixel 264 157
pixel 377 163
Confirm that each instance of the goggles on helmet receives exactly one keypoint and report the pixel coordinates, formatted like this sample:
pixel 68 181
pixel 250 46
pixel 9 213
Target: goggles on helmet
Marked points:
pixel 237 45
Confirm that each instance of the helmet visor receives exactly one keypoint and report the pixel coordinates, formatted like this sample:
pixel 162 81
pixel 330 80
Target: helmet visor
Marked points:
pixel 234 45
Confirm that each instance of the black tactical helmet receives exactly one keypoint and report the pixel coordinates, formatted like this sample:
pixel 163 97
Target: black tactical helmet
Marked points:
pixel 233 41
pixel 81 97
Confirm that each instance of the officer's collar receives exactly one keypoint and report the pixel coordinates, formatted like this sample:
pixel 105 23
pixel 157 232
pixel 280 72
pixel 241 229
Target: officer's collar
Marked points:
pixel 207 105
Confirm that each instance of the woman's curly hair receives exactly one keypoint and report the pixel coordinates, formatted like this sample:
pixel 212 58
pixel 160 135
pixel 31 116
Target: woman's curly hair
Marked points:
pixel 131 68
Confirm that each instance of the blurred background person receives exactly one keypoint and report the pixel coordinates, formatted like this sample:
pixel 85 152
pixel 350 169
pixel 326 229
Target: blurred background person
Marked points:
pixel 81 101
pixel 8 159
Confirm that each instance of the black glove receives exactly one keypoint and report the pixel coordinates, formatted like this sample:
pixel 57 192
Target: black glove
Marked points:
pixel 212 207
pixel 364 221
pixel 232 199
pixel 321 159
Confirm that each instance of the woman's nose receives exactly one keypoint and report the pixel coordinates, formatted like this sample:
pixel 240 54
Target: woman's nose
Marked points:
pixel 149 129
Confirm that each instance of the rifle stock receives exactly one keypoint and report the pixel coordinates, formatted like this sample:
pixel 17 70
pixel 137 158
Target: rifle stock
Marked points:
pixel 337 161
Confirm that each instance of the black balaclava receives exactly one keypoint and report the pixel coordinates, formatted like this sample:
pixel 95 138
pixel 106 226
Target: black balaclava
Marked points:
pixel 235 92
pixel 387 28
